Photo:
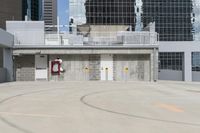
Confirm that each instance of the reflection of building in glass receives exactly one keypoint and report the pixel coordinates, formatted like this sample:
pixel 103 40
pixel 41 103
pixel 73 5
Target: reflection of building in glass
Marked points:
pixel 110 12
pixel 171 60
pixel 196 20
pixel 32 9
pixel 77 11
pixel 176 20
pixel 173 18
pixel 196 61
pixel 138 12
pixel 103 12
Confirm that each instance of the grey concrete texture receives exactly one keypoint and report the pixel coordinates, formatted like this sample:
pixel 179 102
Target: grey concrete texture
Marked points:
pixel 6 39
pixel 99 107
pixel 173 75
pixel 195 76
pixel 81 51
pixel 74 65
pixel 27 32
pixel 138 67
pixel 8 63
pixel 25 68
pixel 2 75
pixel 1 57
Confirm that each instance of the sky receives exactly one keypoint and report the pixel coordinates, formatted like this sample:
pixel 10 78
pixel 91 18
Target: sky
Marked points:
pixel 63 12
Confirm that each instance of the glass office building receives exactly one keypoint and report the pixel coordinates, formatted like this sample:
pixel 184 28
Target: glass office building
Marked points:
pixel 176 20
pixel 110 12
pixel 103 12
pixel 32 9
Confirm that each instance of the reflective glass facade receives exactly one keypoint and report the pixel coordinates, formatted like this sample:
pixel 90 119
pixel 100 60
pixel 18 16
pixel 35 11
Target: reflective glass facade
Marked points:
pixel 196 61
pixel 171 61
pixel 110 12
pixel 176 20
pixel 32 9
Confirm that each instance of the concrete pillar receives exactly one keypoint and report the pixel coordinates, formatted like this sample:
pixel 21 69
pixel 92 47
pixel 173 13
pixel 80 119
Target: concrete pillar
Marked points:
pixel 187 66
pixel 8 63
pixel 155 66
pixel 1 57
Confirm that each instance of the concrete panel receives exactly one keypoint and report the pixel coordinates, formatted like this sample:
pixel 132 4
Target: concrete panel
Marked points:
pixel 132 67
pixel 8 63
pixel 188 66
pixel 6 39
pixel 86 50
pixel 77 67
pixel 94 67
pixel 195 76
pixel 27 32
pixel 2 75
pixel 1 57
pixel 25 68
pixel 170 75
pixel 74 66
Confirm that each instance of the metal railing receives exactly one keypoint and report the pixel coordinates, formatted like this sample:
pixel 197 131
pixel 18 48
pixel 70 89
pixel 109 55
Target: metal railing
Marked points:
pixel 96 38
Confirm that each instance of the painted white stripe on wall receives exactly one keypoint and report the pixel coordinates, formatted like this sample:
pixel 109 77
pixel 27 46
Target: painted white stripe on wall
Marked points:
pixel 106 67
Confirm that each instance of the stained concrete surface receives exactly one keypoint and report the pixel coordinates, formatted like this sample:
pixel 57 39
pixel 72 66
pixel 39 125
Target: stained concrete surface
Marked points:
pixel 100 107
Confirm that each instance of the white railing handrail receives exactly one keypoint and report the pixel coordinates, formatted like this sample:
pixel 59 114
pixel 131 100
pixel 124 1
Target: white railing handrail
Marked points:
pixel 98 38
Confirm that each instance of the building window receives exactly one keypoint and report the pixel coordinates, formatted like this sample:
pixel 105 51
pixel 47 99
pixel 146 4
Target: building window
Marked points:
pixel 196 61
pixel 171 61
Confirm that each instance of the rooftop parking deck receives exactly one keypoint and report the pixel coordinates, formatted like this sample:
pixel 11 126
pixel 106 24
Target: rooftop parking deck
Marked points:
pixel 99 107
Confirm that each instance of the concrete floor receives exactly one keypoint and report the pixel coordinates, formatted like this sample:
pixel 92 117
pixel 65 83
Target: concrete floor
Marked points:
pixel 100 107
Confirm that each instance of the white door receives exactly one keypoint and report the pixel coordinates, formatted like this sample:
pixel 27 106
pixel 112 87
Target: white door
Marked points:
pixel 41 72
pixel 106 67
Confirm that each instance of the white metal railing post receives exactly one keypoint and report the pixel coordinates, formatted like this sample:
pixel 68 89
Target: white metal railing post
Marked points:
pixel 58 29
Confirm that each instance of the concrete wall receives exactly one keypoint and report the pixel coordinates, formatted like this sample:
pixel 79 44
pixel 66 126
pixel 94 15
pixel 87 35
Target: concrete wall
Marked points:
pixel 142 63
pixel 25 68
pixel 1 57
pixel 74 66
pixel 8 63
pixel 195 76
pixel 2 75
pixel 187 47
pixel 132 67
pixel 6 39
pixel 170 75
pixel 94 67
pixel 26 32
pixel 6 43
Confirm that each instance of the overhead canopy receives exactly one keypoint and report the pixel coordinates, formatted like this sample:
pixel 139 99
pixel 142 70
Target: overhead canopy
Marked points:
pixel 6 39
